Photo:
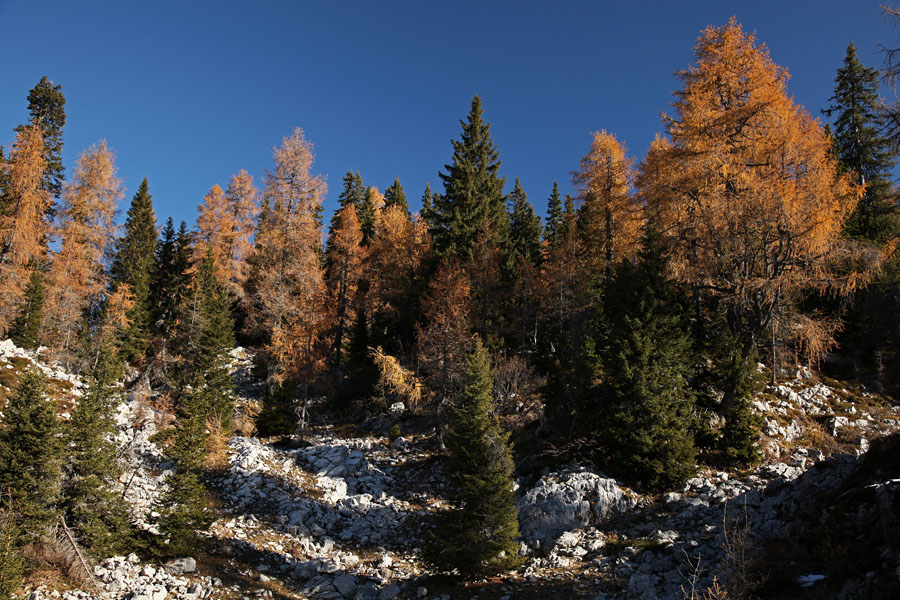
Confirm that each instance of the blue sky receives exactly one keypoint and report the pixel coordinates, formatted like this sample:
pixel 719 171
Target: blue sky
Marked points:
pixel 189 92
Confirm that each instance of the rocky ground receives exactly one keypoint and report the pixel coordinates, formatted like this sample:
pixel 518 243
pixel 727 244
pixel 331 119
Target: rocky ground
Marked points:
pixel 341 516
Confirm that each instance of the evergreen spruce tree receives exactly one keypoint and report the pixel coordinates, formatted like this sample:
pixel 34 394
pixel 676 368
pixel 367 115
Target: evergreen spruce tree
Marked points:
pixel 25 331
pixel 30 455
pixel 133 265
pixel 46 105
pixel 395 196
pixel 553 227
pixel 209 340
pixel 354 191
pixel 863 149
pixel 524 226
pixel 472 204
pixel 367 216
pixel 646 362
pixel 428 208
pixel 12 565
pixel 91 506
pixel 742 427
pixel 477 537
pixel 183 509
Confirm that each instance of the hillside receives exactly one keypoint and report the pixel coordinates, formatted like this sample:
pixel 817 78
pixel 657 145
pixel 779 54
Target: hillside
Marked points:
pixel 341 513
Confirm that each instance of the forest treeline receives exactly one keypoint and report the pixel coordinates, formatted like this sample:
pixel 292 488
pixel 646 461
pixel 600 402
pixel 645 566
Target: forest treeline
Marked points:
pixel 626 329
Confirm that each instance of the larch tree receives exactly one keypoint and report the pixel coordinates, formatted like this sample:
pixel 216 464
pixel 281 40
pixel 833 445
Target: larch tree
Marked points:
pixel 609 216
pixel 214 228
pixel 86 230
pixel 748 194
pixel 344 263
pixel 46 106
pixel 242 200
pixel 23 228
pixel 446 338
pixel 396 270
pixel 286 292
pixel 133 265
pixel 472 205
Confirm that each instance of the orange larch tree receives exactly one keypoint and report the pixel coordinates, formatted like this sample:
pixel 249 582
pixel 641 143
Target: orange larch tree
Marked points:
pixel 747 192
pixel 344 260
pixel 214 231
pixel 398 258
pixel 243 205
pixel 446 337
pixel 286 294
pixel 610 216
pixel 86 231
pixel 23 227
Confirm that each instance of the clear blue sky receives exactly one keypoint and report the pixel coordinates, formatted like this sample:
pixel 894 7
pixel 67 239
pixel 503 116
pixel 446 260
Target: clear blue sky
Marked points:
pixel 188 92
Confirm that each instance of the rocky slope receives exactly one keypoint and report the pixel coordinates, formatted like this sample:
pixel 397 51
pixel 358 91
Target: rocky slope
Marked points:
pixel 342 516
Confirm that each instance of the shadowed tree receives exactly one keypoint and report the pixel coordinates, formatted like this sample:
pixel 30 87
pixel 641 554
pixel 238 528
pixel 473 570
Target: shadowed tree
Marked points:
pixel 478 536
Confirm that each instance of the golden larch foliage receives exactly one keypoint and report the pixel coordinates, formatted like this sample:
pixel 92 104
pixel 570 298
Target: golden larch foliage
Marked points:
pixel 397 256
pixel 287 297
pixel 86 231
pixel 243 206
pixel 344 258
pixel 395 381
pixel 214 228
pixel 746 190
pixel 23 228
pixel 446 338
pixel 613 215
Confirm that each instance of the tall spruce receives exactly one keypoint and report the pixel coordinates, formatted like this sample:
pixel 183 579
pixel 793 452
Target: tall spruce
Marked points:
pixel 208 339
pixel 428 207
pixel 472 206
pixel 46 106
pixel 646 362
pixel 31 455
pixel 524 226
pixel 91 505
pixel 134 264
pixel 553 226
pixel 477 537
pixel 863 149
pixel 395 196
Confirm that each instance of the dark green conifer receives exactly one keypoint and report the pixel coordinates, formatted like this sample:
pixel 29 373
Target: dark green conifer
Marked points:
pixel 477 537
pixel 472 204
pixel 12 565
pixel 46 105
pixel 354 191
pixel 367 216
pixel 91 506
pixel 646 361
pixel 395 196
pixel 133 265
pixel 210 339
pixel 31 455
pixel 554 225
pixel 524 226
pixel 742 428
pixel 863 149
pixel 428 207
pixel 183 509
pixel 25 331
